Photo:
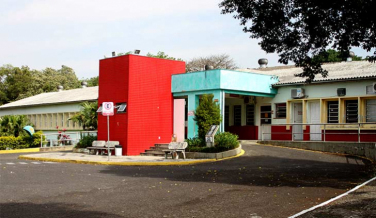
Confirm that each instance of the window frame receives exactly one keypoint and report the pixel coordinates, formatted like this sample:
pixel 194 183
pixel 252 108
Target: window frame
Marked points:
pixel 277 105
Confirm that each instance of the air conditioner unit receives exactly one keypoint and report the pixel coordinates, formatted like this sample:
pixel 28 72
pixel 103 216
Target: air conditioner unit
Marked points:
pixel 246 100
pixel 374 87
pixel 341 91
pixel 297 93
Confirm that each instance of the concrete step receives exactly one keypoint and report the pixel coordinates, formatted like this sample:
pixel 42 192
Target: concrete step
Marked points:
pixel 157 150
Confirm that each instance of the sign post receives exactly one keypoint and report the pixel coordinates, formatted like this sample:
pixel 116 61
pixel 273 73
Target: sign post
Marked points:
pixel 108 110
pixel 209 137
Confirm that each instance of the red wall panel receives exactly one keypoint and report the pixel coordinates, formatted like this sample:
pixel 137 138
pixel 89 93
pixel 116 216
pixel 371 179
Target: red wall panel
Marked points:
pixel 244 132
pixel 145 85
pixel 280 133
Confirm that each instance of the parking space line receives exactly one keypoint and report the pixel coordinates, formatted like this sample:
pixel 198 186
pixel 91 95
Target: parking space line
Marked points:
pixel 35 163
pixel 22 162
pixel 10 163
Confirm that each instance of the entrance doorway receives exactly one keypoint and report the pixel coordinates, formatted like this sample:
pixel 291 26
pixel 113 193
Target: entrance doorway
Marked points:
pixel 314 130
pixel 298 118
pixel 266 121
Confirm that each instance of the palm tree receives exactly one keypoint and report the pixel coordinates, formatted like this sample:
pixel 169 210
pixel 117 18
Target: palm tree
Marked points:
pixel 12 125
pixel 87 117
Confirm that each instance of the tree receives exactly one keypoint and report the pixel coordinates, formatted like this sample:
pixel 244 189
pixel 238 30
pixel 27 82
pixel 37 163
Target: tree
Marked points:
pixel 21 82
pixel 88 116
pixel 12 125
pixel 94 81
pixel 331 55
pixel 221 61
pixel 207 113
pixel 300 29
pixel 162 55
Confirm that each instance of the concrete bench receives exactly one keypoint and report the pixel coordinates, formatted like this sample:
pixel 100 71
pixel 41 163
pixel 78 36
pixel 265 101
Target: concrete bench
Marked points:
pixel 175 148
pixel 101 147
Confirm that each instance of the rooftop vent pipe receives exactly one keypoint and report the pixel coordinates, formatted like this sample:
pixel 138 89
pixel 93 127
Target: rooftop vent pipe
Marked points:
pixel 208 67
pixel 113 54
pixel 351 55
pixel 60 88
pixel 84 84
pixel 263 62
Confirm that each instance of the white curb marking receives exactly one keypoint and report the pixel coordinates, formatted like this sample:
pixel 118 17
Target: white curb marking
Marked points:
pixel 333 199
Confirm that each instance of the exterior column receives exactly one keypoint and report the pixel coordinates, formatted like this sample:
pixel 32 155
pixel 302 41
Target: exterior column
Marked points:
pixel 193 101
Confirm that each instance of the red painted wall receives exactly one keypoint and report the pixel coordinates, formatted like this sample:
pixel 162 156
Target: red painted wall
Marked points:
pixel 280 133
pixel 244 132
pixel 145 84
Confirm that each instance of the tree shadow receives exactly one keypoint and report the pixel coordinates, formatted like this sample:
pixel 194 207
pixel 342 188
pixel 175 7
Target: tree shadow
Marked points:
pixel 49 210
pixel 269 171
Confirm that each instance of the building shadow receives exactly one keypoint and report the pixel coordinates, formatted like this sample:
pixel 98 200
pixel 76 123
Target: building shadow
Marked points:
pixel 55 210
pixel 268 171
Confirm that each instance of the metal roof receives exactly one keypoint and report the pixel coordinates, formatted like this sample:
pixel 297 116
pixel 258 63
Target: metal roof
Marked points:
pixel 66 96
pixel 341 71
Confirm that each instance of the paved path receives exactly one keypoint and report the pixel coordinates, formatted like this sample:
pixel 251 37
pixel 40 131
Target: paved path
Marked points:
pixel 265 182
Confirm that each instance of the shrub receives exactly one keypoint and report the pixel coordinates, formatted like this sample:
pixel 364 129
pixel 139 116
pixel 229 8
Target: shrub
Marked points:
pixel 13 142
pixel 195 142
pixel 86 141
pixel 226 140
pixel 223 142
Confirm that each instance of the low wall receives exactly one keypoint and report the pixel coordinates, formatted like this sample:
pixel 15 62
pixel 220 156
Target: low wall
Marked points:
pixel 367 150
pixel 221 155
pixel 57 148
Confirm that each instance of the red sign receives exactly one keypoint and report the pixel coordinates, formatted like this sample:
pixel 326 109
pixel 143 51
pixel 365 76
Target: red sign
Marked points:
pixel 108 109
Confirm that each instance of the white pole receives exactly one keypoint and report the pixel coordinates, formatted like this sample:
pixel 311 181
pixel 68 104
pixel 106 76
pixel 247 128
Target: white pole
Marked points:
pixel 108 137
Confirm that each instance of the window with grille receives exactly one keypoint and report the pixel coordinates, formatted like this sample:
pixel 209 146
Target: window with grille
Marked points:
pixel 280 110
pixel 371 110
pixel 250 114
pixel 351 111
pixel 237 115
pixel 333 112
pixel 266 114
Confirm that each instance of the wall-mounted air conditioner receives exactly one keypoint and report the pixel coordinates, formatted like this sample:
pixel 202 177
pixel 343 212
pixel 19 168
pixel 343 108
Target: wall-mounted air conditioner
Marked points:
pixel 297 93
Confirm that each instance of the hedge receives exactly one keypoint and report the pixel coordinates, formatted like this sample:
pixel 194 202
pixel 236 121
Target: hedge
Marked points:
pixel 19 142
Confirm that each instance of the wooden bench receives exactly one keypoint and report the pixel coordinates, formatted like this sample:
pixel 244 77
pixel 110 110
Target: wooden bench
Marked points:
pixel 175 148
pixel 102 147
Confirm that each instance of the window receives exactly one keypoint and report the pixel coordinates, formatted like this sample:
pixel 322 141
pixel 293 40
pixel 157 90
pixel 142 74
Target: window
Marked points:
pixel 237 115
pixel 371 110
pixel 266 114
pixel 332 111
pixel 280 109
pixel 250 114
pixel 121 108
pixel 227 115
pixel 351 111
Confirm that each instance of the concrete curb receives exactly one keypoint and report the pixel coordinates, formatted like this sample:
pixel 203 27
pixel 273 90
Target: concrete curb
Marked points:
pixel 363 150
pixel 221 155
pixel 169 163
pixel 25 150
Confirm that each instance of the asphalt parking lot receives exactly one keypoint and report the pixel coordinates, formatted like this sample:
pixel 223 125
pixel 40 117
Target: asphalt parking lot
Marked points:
pixel 265 182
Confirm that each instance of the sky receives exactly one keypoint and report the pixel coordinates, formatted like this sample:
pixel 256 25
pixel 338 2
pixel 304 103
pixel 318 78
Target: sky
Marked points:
pixel 78 33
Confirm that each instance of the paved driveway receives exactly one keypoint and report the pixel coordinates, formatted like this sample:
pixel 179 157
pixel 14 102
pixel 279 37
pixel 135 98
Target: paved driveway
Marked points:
pixel 265 182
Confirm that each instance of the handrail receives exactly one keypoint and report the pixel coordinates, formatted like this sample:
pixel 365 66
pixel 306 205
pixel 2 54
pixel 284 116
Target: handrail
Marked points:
pixel 358 128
